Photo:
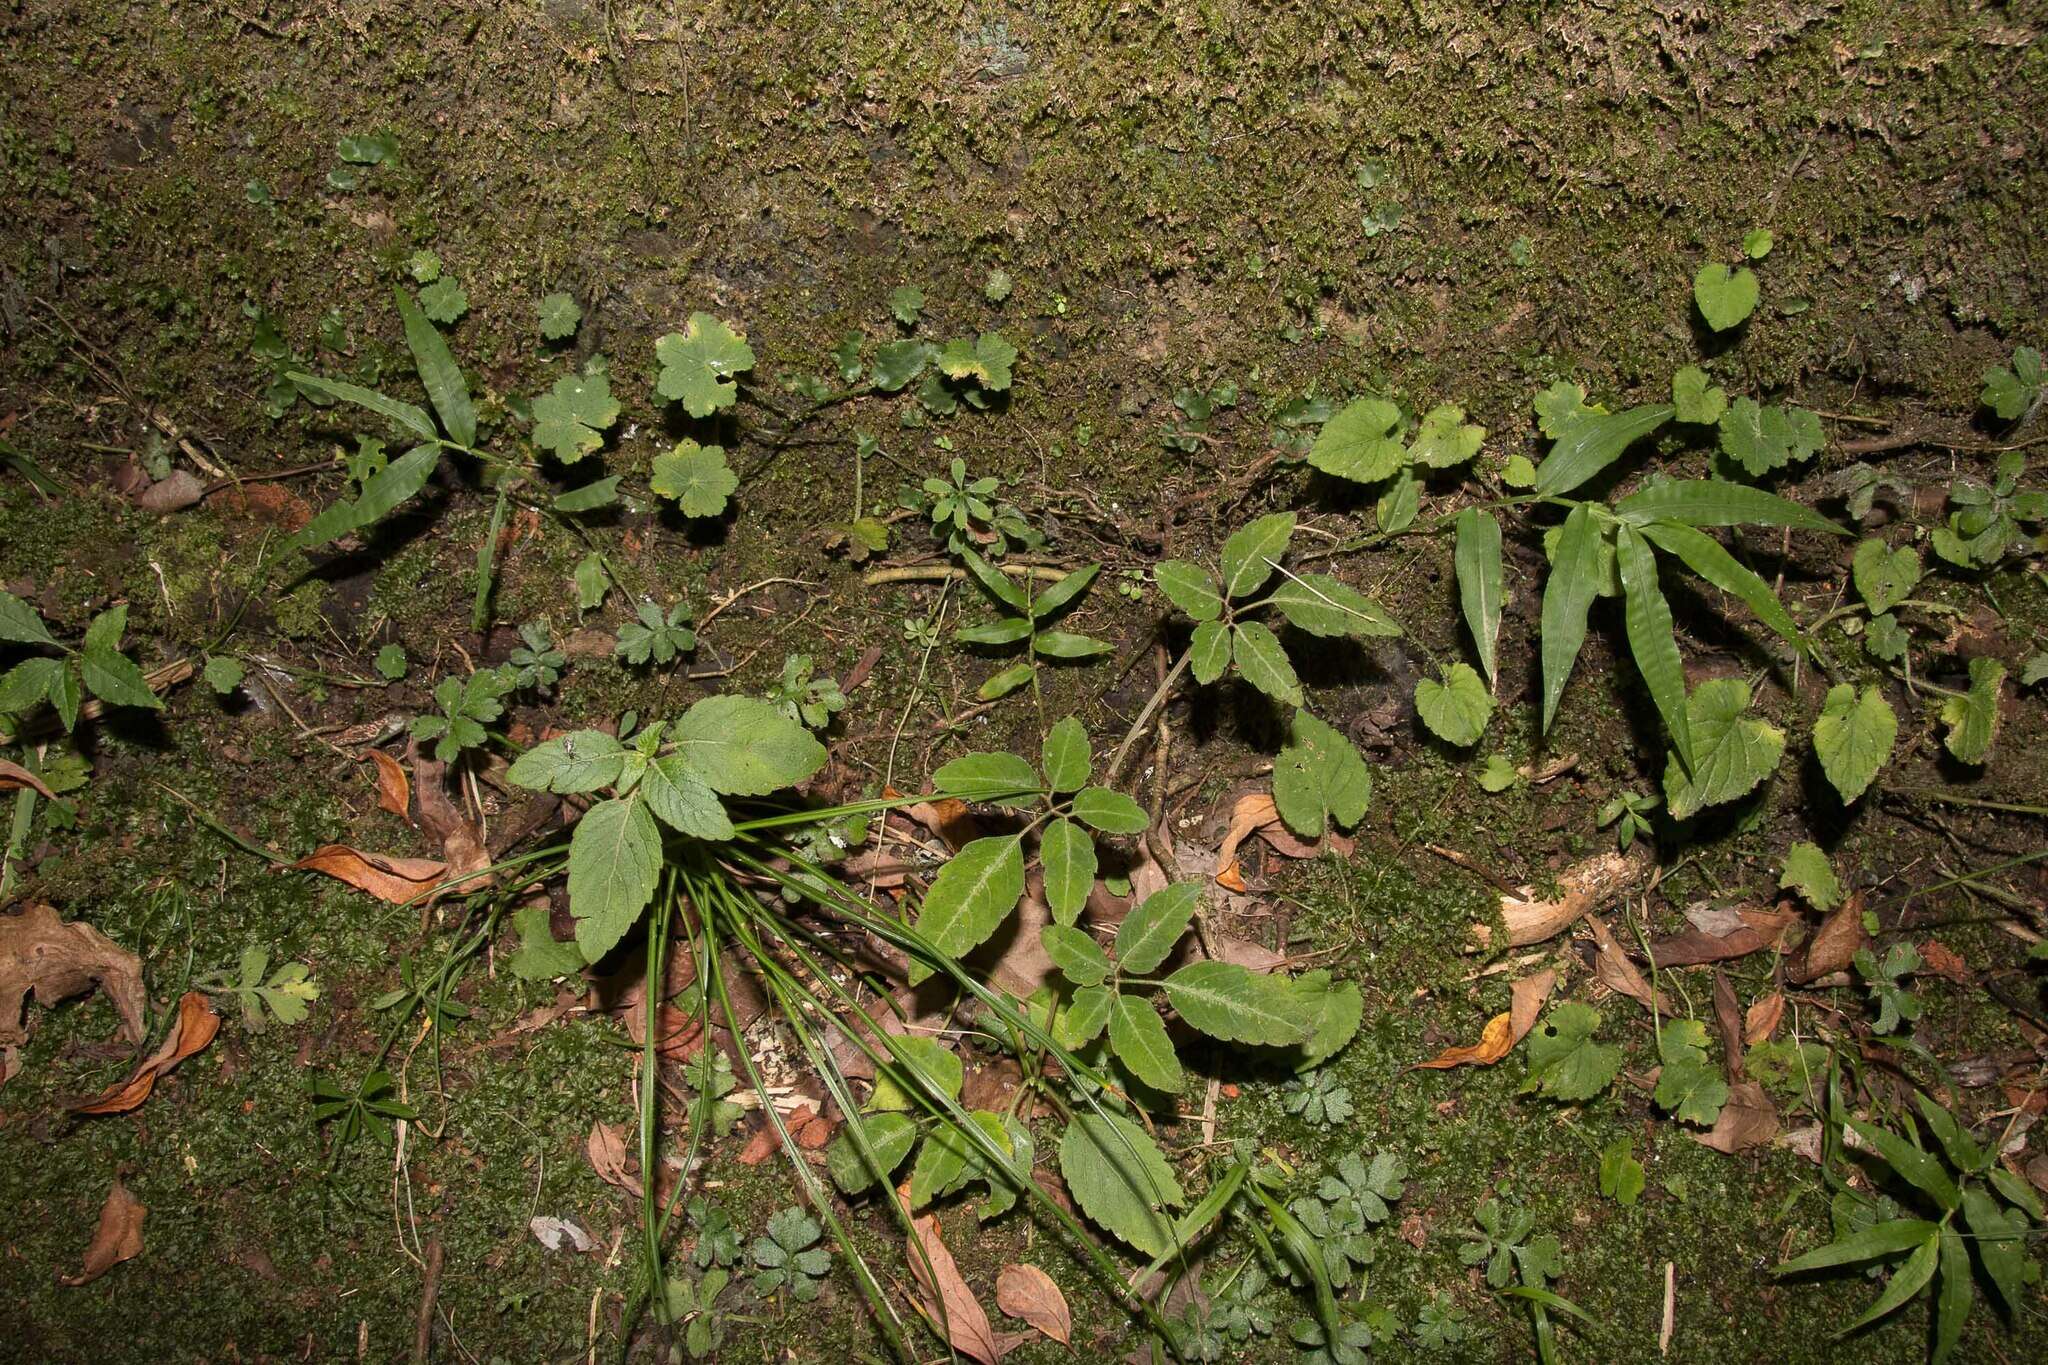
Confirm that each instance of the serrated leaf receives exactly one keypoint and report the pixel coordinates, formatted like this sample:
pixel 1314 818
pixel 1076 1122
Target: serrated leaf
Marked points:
pixel 1456 709
pixel 581 761
pixel 1972 719
pixel 444 300
pixel 108 673
pixel 681 800
pixel 21 623
pixel 1592 443
pixel 1717 502
pixel 1321 605
pixel 614 861
pixel 1885 577
pixel 928 1060
pixel 700 365
pixel 1137 1036
pixel 1154 925
pixel 1567 597
pixel 1761 439
pixel 1725 297
pixel 1076 953
pixel 1564 1061
pixel 1120 1180
pixel 1209 651
pixel 541 957
pixel 1651 637
pixel 1259 657
pixel 1808 871
pixel 1444 438
pixel 1704 555
pixel 1085 1016
pixel 1694 400
pixel 1335 1011
pixel 743 746
pixel 569 421
pixel 1731 752
pixel 1066 856
pixel 971 897
pixel 559 316
pixel 1319 777
pixel 1562 407
pixel 889 1140
pixel 1109 811
pixel 1621 1175
pixel 1689 1086
pixel 1190 587
pixel 441 376
pixel 1226 1001
pixel 1065 757
pixel 987 777
pixel 1252 553
pixel 1482 589
pixel 1360 443
pixel 696 478
pixel 986 360
pixel 899 362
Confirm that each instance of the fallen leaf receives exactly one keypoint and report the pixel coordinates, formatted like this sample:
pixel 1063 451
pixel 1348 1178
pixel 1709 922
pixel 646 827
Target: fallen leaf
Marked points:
pixel 681 1036
pixel 948 1302
pixel 1255 813
pixel 394 789
pixel 1762 1019
pixel 42 956
pixel 1502 1031
pixel 760 1145
pixel 1027 1293
pixel 118 1237
pixel 1583 888
pixel 179 490
pixel 1747 1120
pixel 461 840
pixel 1944 961
pixel 1728 1015
pixel 1617 971
pixel 1833 946
pixel 606 1148
pixel 13 777
pixel 392 880
pixel 194 1029
pixel 1750 931
pixel 557 1233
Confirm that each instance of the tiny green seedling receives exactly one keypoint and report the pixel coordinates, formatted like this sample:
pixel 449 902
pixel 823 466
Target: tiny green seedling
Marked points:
pixel 287 993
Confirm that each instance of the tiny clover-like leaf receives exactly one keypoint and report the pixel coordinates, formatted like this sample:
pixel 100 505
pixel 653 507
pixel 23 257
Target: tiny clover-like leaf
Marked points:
pixel 1457 708
pixel 696 478
pixel 1761 439
pixel 1694 399
pixel 559 316
pixel 1725 296
pixel 1808 871
pixel 1564 1061
pixel 1853 738
pixel 1445 439
pixel 1361 443
pixel 1689 1086
pixel 700 365
pixel 986 360
pixel 570 420
pixel 1884 638
pixel 444 300
pixel 1318 778
pixel 1972 719
pixel 1731 752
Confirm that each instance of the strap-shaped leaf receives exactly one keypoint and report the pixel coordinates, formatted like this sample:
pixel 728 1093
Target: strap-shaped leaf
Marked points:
pixel 995 581
pixel 1064 591
pixel 413 419
pixel 446 388
pixel 1651 637
pixel 1006 630
pixel 1952 1299
pixel 1567 596
pixel 1481 586
pixel 1705 556
pixel 387 488
pixel 1919 1169
pixel 1591 443
pixel 1908 1280
pixel 1716 502
pixel 1886 1239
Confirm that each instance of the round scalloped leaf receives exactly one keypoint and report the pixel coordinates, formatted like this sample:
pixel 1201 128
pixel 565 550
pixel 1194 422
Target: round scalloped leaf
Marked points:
pixel 700 365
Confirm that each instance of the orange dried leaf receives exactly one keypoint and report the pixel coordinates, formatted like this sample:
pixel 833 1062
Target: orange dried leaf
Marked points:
pixel 1027 1293
pixel 1761 1020
pixel 13 777
pixel 44 957
pixel 196 1025
pixel 1495 1040
pixel 948 1302
pixel 394 788
pixel 390 879
pixel 117 1238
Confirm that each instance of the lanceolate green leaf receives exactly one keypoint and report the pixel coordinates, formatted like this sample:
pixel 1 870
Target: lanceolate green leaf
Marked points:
pixel 1065 756
pixel 1952 1300
pixel 1567 596
pixel 995 581
pixel 445 386
pixel 1138 1037
pixel 2001 1245
pixel 1259 657
pixel 1066 854
pixel 614 860
pixel 1209 651
pixel 1154 925
pixel 1651 637
pixel 1249 556
pixel 1120 1179
pixel 1922 1170
pixel 1909 1279
pixel 1716 502
pixel 413 419
pixel 1704 555
pixel 971 897
pixel 22 623
pixel 1481 587
pixel 1972 719
pixel 1590 444
pixel 986 777
pixel 1227 1001
pixel 387 488
pixel 1109 811
pixel 1886 1239
pixel 1064 591
pixel 1321 605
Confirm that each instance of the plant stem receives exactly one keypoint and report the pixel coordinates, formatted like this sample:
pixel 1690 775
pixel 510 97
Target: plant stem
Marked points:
pixel 1144 719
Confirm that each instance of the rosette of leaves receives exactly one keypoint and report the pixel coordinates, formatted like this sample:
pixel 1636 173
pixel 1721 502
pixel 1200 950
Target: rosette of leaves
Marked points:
pixel 97 666
pixel 967 512
pixel 1026 615
pixel 655 637
pixel 700 366
pixel 1225 603
pixel 1973 1219
pixel 1989 521
pixel 802 696
pixel 467 706
pixel 789 1257
pixel 287 993
pixel 1345 1207
pixel 536 662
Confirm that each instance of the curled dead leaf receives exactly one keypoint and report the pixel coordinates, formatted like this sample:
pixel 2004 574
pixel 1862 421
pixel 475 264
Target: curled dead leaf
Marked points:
pixel 1723 936
pixel 1502 1031
pixel 43 956
pixel 948 1303
pixel 1747 1120
pixel 394 788
pixel 1833 946
pixel 14 777
pixel 117 1238
pixel 444 819
pixel 1616 970
pixel 1761 1020
pixel 1027 1293
pixel 390 879
pixel 1256 813
pixel 606 1149
pixel 194 1029
pixel 1582 888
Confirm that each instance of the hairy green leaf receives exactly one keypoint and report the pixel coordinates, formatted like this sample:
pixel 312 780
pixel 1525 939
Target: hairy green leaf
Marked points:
pixel 614 861
pixel 581 761
pixel 1154 925
pixel 1066 855
pixel 1259 657
pixel 1972 719
pixel 1076 953
pixel 700 365
pixel 1209 651
pixel 1252 553
pixel 695 478
pixel 1190 587
pixel 743 746
pixel 1319 777
pixel 1725 297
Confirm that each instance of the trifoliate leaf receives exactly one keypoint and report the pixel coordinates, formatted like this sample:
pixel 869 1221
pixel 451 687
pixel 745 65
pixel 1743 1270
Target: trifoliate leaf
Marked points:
pixel 986 360
pixel 559 317
pixel 696 478
pixel 1853 738
pixel 614 861
pixel 1457 708
pixel 570 420
pixel 1564 1061
pixel 1445 438
pixel 1761 439
pixel 1121 1181
pixel 970 898
pixel 1725 297
pixel 1360 443
pixel 1808 871
pixel 1321 605
pixel 1695 400
pixel 444 300
pixel 1884 576
pixel 2010 392
pixel 1972 719
pixel 1319 777
pixel 1238 1005
pixel 700 365
pixel 1731 752
pixel 743 746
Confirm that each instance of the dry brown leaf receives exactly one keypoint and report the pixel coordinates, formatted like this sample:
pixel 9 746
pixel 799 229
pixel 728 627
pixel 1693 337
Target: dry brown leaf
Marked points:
pixel 390 879
pixel 41 955
pixel 1582 888
pixel 1617 971
pixel 1027 1293
pixel 606 1148
pixel 394 789
pixel 461 841
pixel 1255 813
pixel 948 1302
pixel 194 1029
pixel 1754 931
pixel 1728 1016
pixel 13 777
pixel 1502 1031
pixel 761 1145
pixel 1945 962
pixel 118 1237
pixel 1762 1019
pixel 1833 946
pixel 681 1037
pixel 1747 1120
